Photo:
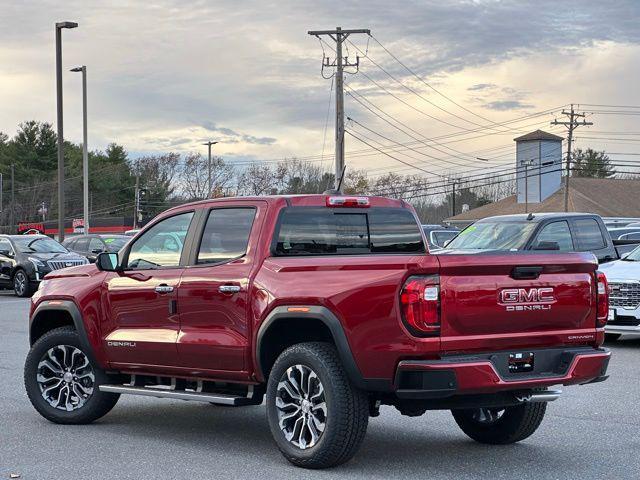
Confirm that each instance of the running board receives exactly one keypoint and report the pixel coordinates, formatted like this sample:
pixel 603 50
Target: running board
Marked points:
pixel 217 398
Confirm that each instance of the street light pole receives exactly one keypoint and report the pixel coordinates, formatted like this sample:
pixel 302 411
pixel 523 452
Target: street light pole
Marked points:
pixel 59 27
pixel 85 150
pixel 209 144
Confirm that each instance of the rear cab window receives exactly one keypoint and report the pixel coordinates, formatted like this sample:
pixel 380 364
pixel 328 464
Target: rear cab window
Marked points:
pixel 321 231
pixel 588 234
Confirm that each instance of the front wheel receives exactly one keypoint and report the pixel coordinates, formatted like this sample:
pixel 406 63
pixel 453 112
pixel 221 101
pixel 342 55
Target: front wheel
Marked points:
pixel 316 416
pixel 62 383
pixel 501 426
pixel 21 286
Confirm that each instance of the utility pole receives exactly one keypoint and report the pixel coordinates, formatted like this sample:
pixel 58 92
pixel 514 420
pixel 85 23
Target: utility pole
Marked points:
pixel 571 125
pixel 13 197
pixel 453 199
pixel 339 36
pixel 526 164
pixel 209 144
pixel 136 203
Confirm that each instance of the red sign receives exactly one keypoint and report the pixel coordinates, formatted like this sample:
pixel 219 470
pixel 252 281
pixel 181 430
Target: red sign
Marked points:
pixel 30 228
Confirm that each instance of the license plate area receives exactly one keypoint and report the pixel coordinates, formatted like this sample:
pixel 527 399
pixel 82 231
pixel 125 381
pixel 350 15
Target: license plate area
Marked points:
pixel 612 315
pixel 521 362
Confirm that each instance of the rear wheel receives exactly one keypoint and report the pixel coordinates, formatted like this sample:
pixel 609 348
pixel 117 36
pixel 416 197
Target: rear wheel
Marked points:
pixel 62 383
pixel 500 426
pixel 612 337
pixel 21 286
pixel 317 417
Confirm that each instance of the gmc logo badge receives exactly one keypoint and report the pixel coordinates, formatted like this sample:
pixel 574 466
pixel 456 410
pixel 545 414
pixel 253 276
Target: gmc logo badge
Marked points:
pixel 526 299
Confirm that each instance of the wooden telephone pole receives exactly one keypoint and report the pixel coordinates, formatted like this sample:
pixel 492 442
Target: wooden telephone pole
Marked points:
pixel 571 125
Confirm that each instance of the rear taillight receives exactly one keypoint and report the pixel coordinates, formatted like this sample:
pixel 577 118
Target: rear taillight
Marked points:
pixel 420 303
pixel 602 300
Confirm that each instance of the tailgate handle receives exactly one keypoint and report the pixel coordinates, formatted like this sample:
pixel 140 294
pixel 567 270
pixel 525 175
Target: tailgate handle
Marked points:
pixel 526 273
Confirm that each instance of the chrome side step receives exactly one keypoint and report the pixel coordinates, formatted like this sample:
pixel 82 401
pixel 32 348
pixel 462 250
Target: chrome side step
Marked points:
pixel 217 398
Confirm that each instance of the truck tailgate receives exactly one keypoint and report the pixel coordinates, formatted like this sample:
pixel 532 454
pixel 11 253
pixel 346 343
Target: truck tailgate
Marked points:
pixel 504 300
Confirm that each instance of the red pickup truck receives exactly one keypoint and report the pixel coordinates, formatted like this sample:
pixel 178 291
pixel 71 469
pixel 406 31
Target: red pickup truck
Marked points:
pixel 330 306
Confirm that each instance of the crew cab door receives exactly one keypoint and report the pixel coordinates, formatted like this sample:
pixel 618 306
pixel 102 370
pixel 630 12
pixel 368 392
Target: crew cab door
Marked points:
pixel 141 325
pixel 213 295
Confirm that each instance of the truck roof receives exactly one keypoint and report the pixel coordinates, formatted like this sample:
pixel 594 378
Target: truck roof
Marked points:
pixel 536 217
pixel 300 200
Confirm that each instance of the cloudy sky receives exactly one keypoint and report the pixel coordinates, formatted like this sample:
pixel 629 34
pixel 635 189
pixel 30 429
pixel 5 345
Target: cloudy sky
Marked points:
pixel 168 75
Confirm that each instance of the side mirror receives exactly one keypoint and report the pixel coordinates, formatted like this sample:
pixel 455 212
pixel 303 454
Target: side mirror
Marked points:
pixel 546 246
pixel 97 250
pixel 107 262
pixel 6 253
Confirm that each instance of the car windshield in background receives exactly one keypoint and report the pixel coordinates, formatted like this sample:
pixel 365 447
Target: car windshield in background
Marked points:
pixel 115 244
pixel 493 236
pixel 30 244
pixel 634 256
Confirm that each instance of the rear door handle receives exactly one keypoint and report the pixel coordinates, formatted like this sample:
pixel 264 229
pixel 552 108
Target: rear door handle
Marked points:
pixel 164 288
pixel 229 288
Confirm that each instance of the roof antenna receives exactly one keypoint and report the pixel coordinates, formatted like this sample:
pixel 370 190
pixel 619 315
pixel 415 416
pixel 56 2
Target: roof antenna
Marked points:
pixel 530 216
pixel 337 191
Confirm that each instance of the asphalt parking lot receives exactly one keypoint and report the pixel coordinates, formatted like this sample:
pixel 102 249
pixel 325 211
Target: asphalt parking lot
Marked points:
pixel 592 432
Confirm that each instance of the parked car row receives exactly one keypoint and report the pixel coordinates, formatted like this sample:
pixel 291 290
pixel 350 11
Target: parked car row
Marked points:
pixel 616 248
pixel 26 259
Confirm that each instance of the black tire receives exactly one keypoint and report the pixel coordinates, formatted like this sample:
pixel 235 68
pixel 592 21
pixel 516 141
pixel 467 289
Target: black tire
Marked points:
pixel 515 423
pixel 95 406
pixel 612 337
pixel 347 408
pixel 21 285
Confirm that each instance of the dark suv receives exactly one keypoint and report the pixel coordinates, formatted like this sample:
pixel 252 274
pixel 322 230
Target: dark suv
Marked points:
pixel 26 259
pixel 91 245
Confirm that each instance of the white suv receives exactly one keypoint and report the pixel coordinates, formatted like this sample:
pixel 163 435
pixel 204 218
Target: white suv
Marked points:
pixel 624 295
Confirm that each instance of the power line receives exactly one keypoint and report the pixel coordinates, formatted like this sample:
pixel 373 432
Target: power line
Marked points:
pixel 420 79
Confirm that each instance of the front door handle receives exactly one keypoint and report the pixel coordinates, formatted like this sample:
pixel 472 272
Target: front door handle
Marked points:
pixel 229 288
pixel 163 288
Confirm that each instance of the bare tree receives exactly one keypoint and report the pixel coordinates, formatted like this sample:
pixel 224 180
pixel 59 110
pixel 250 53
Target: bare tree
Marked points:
pixel 258 179
pixel 194 179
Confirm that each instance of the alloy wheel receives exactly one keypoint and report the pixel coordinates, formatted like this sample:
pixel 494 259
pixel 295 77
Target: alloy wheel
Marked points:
pixel 301 406
pixel 65 377
pixel 20 283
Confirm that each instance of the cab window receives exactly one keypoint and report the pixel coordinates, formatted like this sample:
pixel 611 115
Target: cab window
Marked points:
pixel 226 235
pixel 588 234
pixel 161 245
pixel 557 233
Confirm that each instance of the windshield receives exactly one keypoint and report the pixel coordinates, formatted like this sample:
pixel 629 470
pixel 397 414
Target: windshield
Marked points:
pixel 115 243
pixel 493 236
pixel 31 244
pixel 634 256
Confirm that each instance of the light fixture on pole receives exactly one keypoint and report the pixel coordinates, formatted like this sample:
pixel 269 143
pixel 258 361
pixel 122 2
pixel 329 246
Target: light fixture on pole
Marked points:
pixel 85 151
pixel 59 27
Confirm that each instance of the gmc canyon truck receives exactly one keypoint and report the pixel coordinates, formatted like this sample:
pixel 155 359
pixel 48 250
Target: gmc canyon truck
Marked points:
pixel 329 306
